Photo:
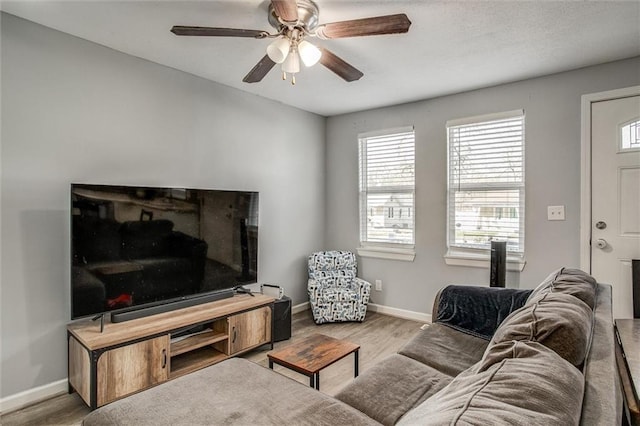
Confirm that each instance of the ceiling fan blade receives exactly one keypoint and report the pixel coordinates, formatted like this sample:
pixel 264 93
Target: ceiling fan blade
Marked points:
pixel 339 66
pixel 217 32
pixel 388 24
pixel 287 10
pixel 258 72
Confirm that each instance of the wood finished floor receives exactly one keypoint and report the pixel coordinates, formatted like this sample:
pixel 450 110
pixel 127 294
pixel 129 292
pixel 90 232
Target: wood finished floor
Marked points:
pixel 378 336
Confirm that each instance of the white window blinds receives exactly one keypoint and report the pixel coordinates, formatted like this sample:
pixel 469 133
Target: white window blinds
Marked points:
pixel 387 187
pixel 486 181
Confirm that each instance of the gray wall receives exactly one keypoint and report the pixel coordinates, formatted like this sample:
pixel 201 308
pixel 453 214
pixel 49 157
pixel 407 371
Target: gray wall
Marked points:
pixel 77 112
pixel 73 111
pixel 552 150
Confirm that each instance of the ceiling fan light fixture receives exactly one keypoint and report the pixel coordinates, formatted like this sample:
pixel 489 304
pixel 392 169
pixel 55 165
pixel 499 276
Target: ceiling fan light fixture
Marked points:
pixel 309 53
pixel 279 49
pixel 291 65
pixel 295 20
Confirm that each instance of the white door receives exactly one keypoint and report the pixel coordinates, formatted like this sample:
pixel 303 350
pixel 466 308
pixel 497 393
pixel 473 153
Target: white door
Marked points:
pixel 615 196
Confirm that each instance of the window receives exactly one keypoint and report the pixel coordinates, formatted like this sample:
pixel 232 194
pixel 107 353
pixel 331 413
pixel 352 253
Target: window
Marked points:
pixel 485 187
pixel 629 136
pixel 387 190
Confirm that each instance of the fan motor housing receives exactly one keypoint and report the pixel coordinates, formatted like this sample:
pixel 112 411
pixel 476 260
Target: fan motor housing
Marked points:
pixel 308 13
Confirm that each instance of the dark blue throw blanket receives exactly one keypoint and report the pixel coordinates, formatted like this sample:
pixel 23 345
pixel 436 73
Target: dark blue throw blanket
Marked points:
pixel 478 310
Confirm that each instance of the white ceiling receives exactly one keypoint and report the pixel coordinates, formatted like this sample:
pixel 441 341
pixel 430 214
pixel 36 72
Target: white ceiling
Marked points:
pixel 452 46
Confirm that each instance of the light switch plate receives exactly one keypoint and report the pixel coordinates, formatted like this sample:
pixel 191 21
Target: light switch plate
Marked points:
pixel 555 212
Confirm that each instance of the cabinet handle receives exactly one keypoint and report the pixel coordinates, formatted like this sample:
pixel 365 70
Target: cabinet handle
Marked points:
pixel 164 358
pixel 234 335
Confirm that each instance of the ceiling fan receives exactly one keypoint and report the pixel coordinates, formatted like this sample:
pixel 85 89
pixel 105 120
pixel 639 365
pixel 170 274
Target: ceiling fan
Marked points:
pixel 295 21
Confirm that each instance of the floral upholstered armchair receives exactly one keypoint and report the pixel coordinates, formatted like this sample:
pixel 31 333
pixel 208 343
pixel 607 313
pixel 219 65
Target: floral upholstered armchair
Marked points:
pixel 335 293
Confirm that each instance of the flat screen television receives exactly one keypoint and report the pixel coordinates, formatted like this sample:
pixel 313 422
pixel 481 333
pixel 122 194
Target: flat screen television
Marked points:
pixel 137 248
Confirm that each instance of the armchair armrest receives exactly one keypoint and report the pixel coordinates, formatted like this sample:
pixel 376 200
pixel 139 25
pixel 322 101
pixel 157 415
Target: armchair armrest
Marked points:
pixel 476 310
pixel 312 284
pixel 312 290
pixel 362 284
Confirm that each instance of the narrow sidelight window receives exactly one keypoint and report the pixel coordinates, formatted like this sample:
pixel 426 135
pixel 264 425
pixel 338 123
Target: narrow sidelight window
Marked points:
pixel 387 188
pixel 486 182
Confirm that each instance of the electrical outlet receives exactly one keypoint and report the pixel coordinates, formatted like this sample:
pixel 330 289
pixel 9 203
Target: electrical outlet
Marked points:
pixel 555 212
pixel 378 285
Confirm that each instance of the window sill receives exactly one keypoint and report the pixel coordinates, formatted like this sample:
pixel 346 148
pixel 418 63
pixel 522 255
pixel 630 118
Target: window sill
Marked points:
pixel 481 260
pixel 389 253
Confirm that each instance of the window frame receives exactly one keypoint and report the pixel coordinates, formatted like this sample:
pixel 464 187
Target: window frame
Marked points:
pixel 377 249
pixel 460 255
pixel 634 122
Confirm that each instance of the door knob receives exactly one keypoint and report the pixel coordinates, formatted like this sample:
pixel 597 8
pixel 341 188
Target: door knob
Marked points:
pixel 601 243
pixel 601 225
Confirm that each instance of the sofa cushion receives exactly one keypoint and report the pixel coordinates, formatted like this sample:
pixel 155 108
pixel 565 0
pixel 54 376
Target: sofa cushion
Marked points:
pixel 233 392
pixel 568 281
pixel 392 387
pixel 558 321
pixel 433 347
pixel 531 385
pixel 142 239
pixel 545 284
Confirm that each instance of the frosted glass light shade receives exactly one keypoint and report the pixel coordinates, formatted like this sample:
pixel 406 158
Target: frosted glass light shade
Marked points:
pixel 291 65
pixel 278 50
pixel 309 53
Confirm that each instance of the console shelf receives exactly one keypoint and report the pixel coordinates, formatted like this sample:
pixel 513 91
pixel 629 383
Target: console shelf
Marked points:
pixel 132 356
pixel 195 360
pixel 197 341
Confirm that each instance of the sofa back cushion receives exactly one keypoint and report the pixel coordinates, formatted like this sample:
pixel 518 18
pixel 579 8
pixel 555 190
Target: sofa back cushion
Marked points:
pixel 143 239
pixel 559 321
pixel 568 281
pixel 530 384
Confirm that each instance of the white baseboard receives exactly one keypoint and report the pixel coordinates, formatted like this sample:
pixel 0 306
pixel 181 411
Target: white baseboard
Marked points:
pixel 385 310
pixel 399 313
pixel 300 308
pixel 32 396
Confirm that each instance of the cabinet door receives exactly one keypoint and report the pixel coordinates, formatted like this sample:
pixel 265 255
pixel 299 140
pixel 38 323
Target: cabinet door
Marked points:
pixel 249 329
pixel 80 369
pixel 131 368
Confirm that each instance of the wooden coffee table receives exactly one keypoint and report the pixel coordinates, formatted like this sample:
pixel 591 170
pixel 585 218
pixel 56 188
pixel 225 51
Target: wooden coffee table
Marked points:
pixel 312 354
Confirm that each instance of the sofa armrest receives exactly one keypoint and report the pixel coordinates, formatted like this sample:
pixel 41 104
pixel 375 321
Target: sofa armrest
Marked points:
pixel 476 310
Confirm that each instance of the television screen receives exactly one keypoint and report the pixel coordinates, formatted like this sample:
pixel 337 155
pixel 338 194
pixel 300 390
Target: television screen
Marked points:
pixel 141 246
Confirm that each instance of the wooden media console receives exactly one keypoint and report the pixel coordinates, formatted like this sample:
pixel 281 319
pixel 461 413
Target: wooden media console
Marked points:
pixel 131 356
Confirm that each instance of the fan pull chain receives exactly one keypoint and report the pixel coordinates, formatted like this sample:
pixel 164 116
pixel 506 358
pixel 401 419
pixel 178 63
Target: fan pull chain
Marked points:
pixel 293 78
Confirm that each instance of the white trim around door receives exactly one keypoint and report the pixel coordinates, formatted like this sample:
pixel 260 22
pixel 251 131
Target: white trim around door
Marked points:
pixel 585 167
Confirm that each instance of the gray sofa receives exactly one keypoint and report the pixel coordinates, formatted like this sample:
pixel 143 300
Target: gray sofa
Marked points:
pixel 491 356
